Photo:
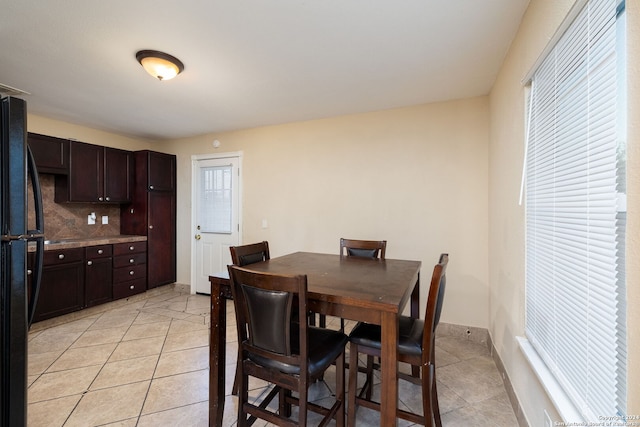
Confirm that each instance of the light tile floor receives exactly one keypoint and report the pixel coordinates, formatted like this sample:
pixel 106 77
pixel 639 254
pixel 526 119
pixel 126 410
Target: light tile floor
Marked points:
pixel 144 362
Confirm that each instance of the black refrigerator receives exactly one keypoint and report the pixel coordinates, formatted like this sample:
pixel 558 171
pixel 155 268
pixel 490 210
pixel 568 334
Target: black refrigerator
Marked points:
pixel 18 284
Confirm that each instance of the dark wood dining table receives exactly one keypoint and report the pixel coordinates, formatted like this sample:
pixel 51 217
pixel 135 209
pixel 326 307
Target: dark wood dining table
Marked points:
pixel 373 291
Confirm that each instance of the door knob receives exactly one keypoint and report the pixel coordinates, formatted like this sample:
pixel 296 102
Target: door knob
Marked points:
pixel 198 237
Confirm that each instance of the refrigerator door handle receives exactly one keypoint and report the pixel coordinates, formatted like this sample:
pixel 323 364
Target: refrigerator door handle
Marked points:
pixel 36 235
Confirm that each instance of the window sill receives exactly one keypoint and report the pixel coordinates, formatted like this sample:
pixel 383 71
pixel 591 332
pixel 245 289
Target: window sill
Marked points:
pixel 556 394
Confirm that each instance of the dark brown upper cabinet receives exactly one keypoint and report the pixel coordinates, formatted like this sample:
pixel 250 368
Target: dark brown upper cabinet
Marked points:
pixel 97 174
pixel 161 171
pixel 51 154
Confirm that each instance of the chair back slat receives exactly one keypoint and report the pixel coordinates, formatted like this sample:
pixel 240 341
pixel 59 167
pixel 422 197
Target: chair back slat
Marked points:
pixel 250 254
pixel 363 248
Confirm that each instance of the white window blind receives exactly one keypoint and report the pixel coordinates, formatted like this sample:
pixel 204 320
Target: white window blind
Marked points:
pixel 575 314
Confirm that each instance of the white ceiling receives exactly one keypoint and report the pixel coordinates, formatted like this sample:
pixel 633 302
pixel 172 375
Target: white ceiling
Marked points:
pixel 247 63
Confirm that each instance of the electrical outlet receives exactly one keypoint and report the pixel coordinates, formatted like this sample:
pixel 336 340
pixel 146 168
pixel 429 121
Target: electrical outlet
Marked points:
pixel 91 218
pixel 105 219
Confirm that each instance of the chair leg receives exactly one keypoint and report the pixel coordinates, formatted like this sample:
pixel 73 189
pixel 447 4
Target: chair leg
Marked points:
pixel 353 384
pixel 427 399
pixel 340 392
pixel 435 405
pixel 243 396
pixel 369 377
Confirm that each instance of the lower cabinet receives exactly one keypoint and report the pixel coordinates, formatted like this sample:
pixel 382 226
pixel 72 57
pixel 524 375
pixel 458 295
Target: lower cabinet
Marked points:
pixel 73 279
pixel 98 270
pixel 129 269
pixel 62 285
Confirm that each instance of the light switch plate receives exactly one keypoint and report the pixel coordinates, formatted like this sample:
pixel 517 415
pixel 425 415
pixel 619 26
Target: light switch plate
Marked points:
pixel 105 219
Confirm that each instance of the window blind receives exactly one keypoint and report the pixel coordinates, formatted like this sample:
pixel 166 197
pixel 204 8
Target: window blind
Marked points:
pixel 574 283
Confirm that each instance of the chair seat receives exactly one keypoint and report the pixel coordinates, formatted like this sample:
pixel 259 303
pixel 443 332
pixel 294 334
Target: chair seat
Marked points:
pixel 324 346
pixel 409 338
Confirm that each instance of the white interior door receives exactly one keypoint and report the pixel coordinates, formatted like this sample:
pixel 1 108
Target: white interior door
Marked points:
pixel 216 216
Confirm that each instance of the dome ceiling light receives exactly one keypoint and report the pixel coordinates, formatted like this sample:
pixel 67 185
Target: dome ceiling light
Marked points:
pixel 159 64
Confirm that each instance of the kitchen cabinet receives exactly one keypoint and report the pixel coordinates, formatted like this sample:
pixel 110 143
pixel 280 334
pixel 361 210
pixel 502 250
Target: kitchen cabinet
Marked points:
pixel 51 154
pixel 98 271
pixel 129 269
pixel 97 174
pixel 152 213
pixel 62 285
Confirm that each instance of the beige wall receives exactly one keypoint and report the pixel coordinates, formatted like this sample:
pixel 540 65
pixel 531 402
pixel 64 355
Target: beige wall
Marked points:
pixel 506 223
pixel 45 126
pixel 415 176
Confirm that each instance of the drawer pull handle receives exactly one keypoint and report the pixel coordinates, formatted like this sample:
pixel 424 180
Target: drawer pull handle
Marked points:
pixel 29 272
pixel 131 273
pixel 100 251
pixel 131 261
pixel 131 287
pixel 131 248
pixel 61 256
pixel 89 262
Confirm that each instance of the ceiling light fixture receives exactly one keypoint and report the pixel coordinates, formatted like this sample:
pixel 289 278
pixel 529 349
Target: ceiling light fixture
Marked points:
pixel 159 64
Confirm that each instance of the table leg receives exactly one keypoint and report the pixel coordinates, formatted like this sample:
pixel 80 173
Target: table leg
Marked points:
pixel 217 355
pixel 389 401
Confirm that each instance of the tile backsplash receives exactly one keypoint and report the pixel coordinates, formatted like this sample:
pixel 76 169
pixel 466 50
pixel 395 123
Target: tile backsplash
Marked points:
pixel 69 220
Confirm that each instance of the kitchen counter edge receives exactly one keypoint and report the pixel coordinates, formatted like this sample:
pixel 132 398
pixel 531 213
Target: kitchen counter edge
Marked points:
pixel 89 241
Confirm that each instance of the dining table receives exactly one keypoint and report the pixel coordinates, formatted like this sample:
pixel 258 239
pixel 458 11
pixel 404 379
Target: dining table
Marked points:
pixel 361 289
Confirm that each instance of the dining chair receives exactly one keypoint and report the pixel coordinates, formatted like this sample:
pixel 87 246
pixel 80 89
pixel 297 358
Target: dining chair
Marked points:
pixel 276 349
pixel 416 346
pixel 248 254
pixel 358 248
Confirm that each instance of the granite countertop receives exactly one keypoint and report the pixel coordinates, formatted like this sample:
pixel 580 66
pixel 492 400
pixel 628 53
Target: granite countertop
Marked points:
pixel 87 241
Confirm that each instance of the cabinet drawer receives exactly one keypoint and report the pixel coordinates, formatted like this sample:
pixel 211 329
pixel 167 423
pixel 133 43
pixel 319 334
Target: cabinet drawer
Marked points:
pixel 127 260
pixel 129 248
pixel 126 289
pixel 129 273
pixel 101 251
pixel 63 256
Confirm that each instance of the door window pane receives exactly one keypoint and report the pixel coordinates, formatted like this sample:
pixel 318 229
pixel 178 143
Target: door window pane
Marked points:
pixel 215 196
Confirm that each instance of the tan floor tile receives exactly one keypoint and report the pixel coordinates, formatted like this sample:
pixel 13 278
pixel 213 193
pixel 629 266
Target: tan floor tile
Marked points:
pixel 40 362
pixel 176 391
pixel 192 415
pixel 147 330
pixel 166 312
pixel 109 405
pixel 53 340
pixel 144 318
pixel 186 340
pixel 181 326
pixel 114 320
pixel 62 383
pixel 474 380
pixel 100 336
pixel 125 372
pixel 83 356
pixel 131 422
pixel 178 362
pixel 137 348
pixel 51 413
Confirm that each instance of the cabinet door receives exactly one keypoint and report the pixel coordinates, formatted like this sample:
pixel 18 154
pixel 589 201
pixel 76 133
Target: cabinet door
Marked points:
pixel 162 172
pixel 51 154
pixel 86 172
pixel 117 175
pixel 61 290
pixel 161 239
pixel 98 268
